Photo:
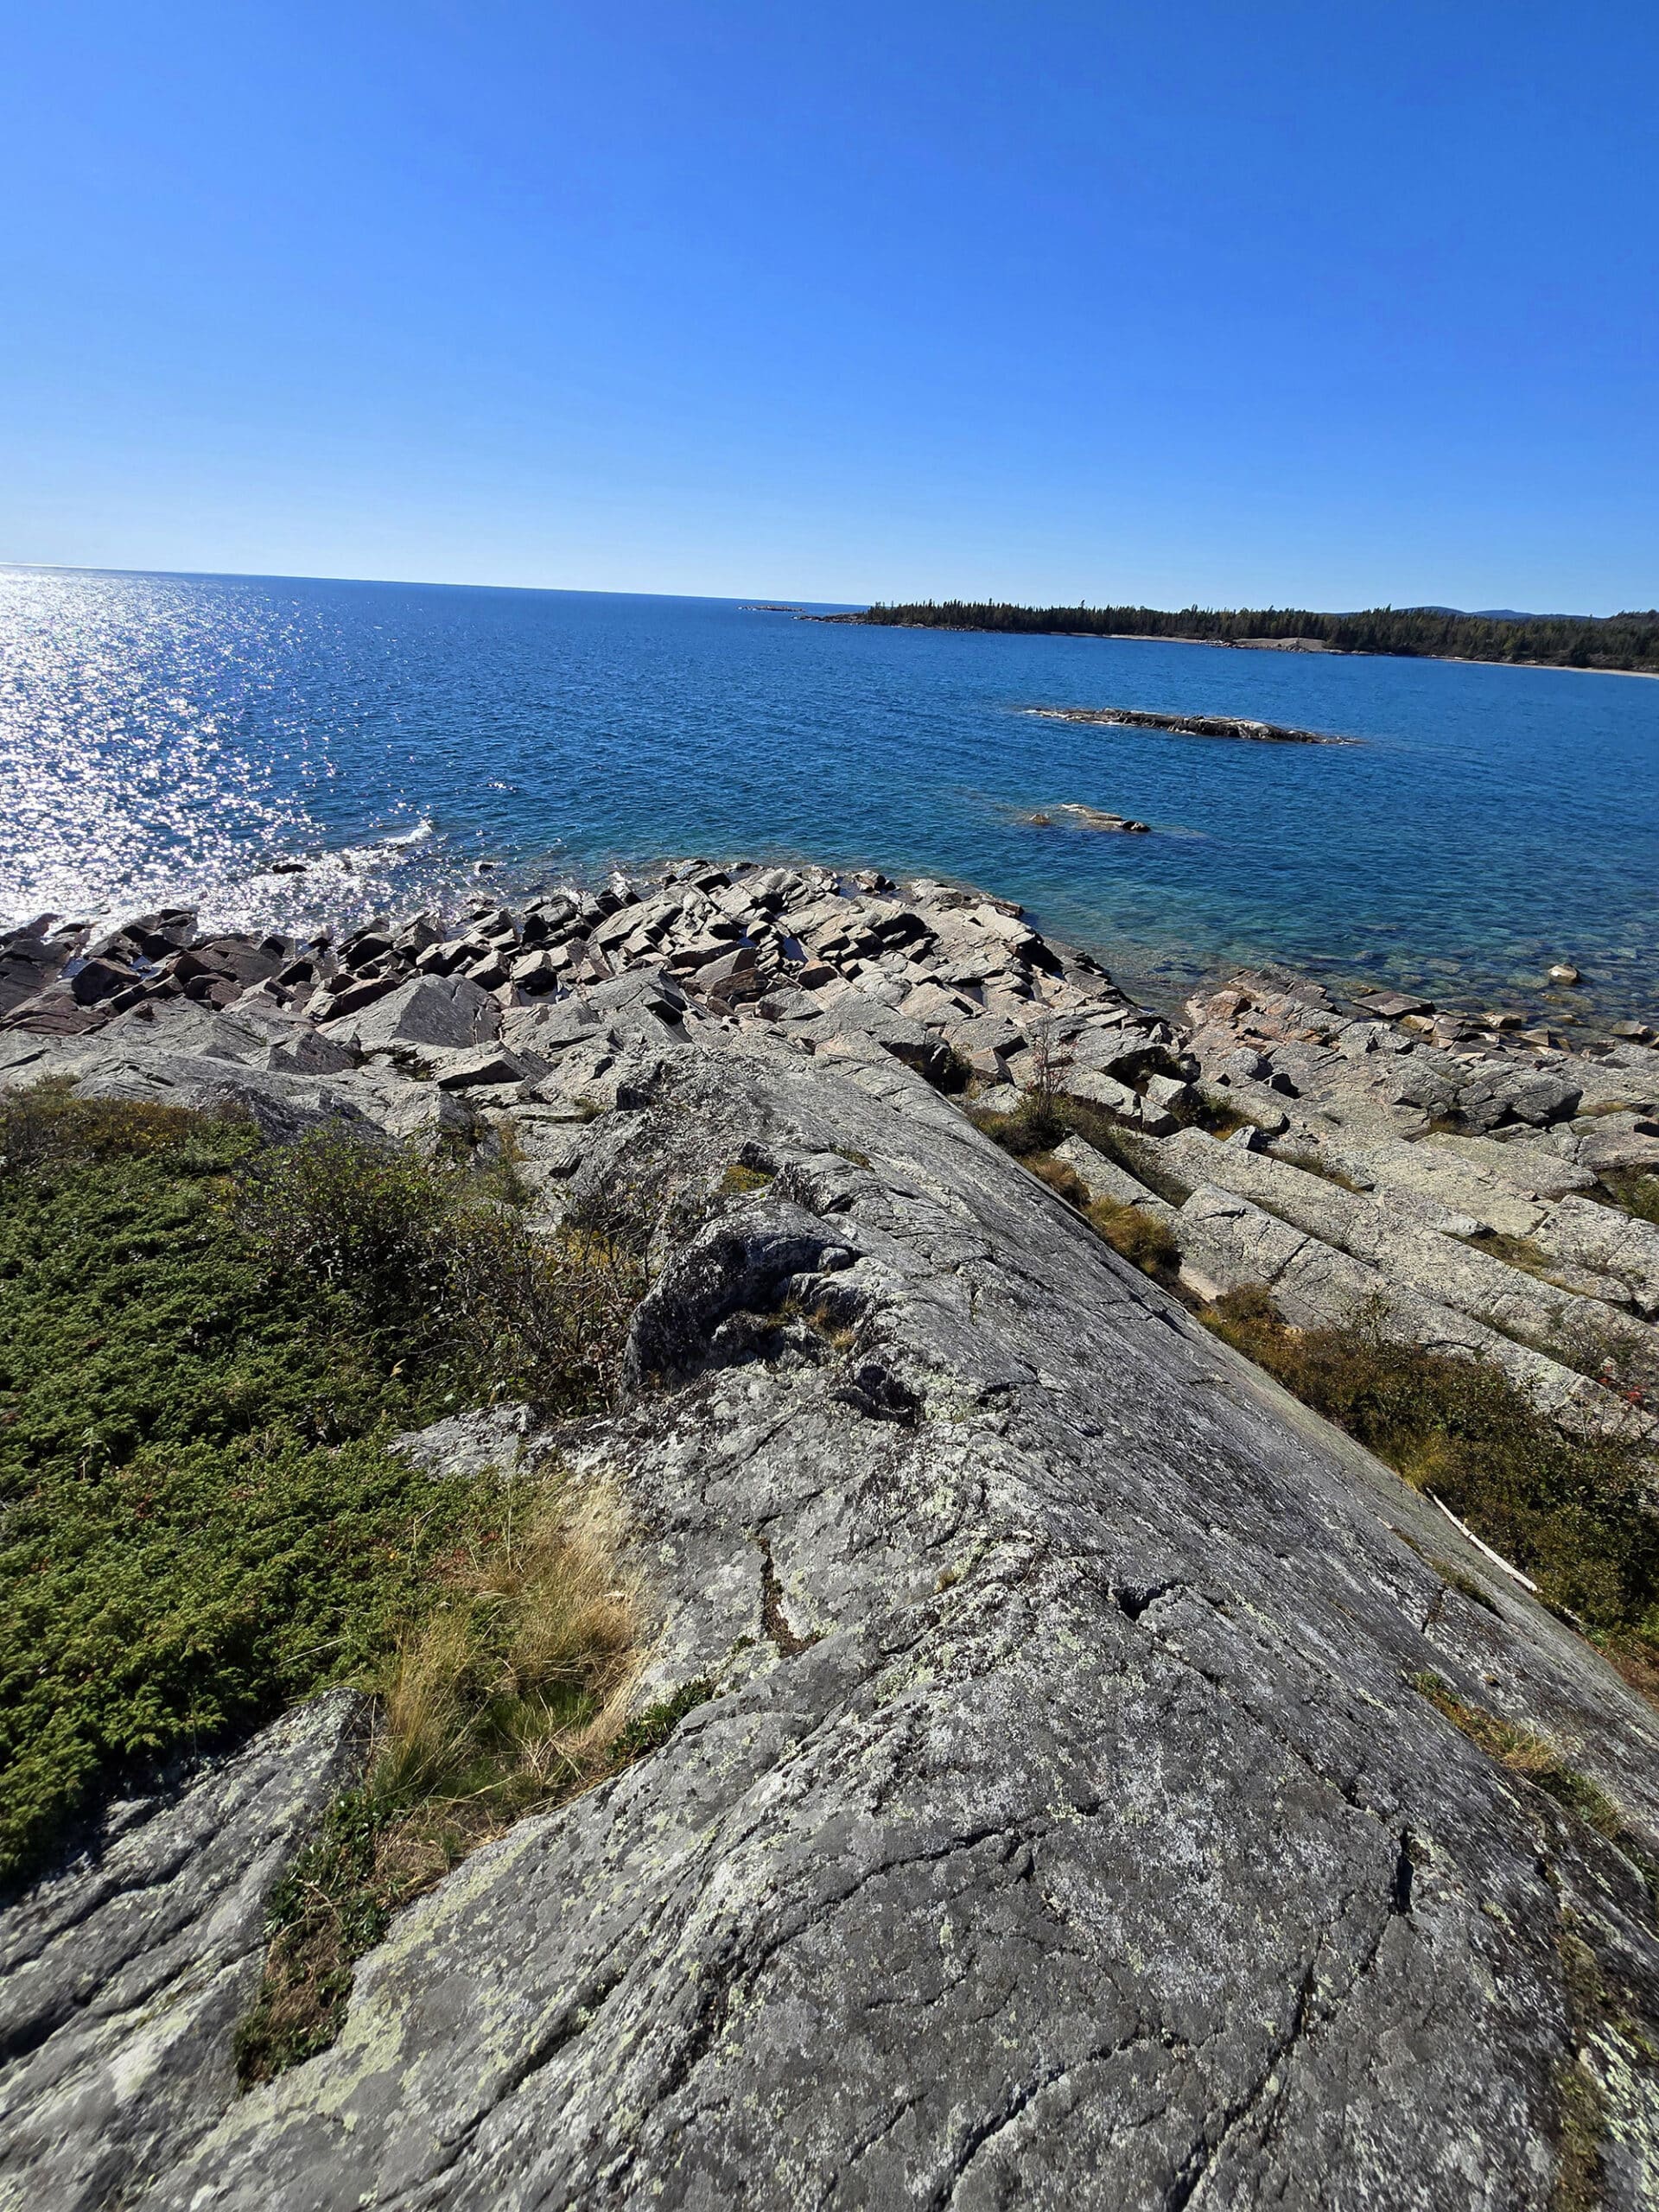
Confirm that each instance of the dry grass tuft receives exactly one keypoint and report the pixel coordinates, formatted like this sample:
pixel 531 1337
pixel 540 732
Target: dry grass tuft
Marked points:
pixel 1533 1758
pixel 1064 1181
pixel 510 1698
pixel 1137 1237
pixel 1140 1237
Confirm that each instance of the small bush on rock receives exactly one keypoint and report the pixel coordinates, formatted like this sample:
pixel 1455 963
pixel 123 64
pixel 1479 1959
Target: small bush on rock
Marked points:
pixel 1573 1512
pixel 206 1346
pixel 442 1265
pixel 1040 1123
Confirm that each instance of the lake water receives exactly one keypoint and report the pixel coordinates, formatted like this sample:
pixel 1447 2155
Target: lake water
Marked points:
pixel 171 737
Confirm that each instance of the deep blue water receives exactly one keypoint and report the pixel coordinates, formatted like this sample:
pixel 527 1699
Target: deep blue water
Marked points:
pixel 170 736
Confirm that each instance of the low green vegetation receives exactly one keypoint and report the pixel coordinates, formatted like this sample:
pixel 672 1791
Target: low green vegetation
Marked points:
pixel 739 1181
pixel 1637 1194
pixel 1572 1512
pixel 206 1345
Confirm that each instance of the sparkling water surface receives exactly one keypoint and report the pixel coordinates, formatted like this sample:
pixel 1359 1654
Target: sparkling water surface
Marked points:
pixel 182 738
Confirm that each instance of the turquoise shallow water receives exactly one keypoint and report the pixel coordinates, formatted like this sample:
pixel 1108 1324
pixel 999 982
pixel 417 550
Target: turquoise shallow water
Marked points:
pixel 172 736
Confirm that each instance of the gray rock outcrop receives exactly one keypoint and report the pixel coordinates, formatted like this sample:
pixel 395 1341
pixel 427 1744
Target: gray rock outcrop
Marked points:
pixel 123 1980
pixel 1066 1825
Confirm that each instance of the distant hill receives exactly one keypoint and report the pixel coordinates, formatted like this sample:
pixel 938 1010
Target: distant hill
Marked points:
pixel 1628 642
pixel 1498 614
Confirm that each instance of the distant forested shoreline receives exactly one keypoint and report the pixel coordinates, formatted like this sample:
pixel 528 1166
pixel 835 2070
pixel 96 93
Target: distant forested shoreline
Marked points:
pixel 1616 641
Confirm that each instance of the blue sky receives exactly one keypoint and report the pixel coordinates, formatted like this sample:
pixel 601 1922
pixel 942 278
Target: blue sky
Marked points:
pixel 1320 304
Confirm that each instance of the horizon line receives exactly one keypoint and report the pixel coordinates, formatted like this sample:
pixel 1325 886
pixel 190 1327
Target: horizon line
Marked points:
pixel 592 591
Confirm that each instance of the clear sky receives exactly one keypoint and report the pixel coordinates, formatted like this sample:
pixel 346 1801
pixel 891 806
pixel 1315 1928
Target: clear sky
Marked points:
pixel 1328 304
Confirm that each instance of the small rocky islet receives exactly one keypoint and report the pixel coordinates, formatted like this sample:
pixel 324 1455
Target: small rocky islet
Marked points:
pixel 1089 1788
pixel 1075 815
pixel 1233 725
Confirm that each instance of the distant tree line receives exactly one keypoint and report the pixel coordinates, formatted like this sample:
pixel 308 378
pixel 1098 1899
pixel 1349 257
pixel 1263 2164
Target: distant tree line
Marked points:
pixel 1630 641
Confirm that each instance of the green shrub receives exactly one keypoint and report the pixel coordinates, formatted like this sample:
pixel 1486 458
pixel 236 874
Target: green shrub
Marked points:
pixel 368 1219
pixel 953 1074
pixel 649 1730
pixel 1033 1126
pixel 444 1269
pixel 206 1347
pixel 1572 1512
pixel 323 1914
pixel 49 1121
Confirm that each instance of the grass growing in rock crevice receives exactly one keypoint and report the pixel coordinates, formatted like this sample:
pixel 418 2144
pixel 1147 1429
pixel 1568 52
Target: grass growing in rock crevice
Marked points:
pixel 1634 1193
pixel 1534 1758
pixel 1572 1512
pixel 1040 1123
pixel 1137 1237
pixel 1531 1757
pixel 206 1345
pixel 507 1699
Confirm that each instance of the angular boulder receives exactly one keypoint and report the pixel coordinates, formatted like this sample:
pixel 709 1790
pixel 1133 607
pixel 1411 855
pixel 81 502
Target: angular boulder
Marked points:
pixel 446 1011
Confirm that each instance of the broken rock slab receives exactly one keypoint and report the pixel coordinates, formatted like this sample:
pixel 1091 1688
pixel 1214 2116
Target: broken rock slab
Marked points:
pixel 123 1980
pixel 446 1011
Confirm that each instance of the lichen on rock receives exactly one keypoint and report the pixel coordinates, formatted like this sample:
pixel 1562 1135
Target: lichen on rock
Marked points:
pixel 1057 1820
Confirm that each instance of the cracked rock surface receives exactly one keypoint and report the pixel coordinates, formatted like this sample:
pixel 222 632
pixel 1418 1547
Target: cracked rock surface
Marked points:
pixel 123 1980
pixel 1063 1827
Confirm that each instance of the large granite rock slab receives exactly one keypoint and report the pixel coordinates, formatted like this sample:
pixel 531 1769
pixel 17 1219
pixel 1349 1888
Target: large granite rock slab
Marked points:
pixel 1396 1233
pixel 1063 1827
pixel 1065 1823
pixel 439 1010
pixel 122 1981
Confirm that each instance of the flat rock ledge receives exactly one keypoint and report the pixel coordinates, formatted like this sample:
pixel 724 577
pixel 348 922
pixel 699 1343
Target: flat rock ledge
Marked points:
pixel 1065 1828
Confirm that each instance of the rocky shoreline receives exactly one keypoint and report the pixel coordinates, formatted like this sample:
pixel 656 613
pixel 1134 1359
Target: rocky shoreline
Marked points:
pixel 1460 1179
pixel 1099 1781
